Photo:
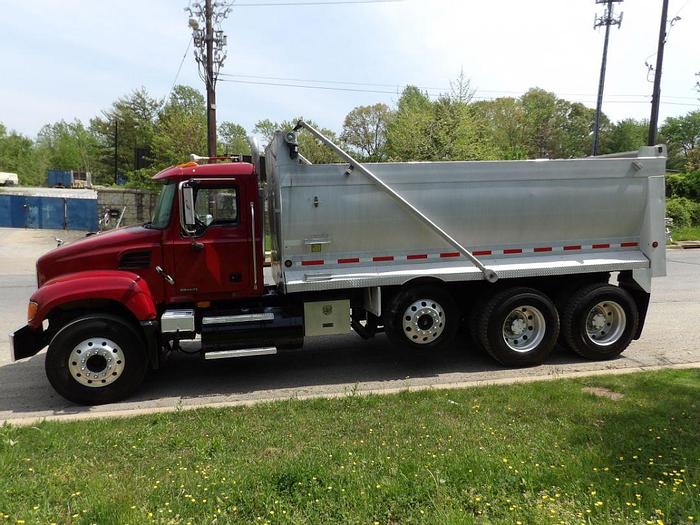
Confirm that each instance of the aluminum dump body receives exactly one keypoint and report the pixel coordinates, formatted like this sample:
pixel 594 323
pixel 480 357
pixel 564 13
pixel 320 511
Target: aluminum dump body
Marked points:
pixel 334 228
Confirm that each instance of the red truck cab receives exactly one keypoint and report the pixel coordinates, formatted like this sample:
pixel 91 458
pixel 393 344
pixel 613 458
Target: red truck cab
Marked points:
pixel 127 278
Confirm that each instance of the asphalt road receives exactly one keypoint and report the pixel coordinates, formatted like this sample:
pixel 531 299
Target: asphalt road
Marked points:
pixel 327 366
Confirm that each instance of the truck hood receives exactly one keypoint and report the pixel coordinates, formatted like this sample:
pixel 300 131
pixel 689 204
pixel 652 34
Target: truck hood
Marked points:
pixel 104 251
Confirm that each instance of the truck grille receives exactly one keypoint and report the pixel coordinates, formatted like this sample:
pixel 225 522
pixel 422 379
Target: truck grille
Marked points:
pixel 135 259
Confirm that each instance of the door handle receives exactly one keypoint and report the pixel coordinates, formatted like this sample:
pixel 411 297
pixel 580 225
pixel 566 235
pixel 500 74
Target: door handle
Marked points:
pixel 197 246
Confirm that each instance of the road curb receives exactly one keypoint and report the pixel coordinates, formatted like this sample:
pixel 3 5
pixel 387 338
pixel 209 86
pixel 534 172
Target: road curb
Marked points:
pixel 28 421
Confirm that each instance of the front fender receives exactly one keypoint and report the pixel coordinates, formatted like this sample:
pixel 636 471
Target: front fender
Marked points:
pixel 125 288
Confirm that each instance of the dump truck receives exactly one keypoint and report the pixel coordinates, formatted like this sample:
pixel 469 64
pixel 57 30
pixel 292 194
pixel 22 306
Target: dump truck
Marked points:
pixel 511 256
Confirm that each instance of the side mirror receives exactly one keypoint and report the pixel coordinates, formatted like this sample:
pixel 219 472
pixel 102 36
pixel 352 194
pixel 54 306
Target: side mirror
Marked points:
pixel 187 215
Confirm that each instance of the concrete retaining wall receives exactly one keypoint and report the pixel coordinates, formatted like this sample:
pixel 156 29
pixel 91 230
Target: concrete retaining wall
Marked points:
pixel 139 204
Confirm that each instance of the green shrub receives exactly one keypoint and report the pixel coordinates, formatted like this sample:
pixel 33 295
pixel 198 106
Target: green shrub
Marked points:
pixel 142 179
pixel 683 211
pixel 684 185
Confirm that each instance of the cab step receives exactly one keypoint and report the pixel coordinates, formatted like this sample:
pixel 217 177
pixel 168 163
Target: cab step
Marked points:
pixel 241 352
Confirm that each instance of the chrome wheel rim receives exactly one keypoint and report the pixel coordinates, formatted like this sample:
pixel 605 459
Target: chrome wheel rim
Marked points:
pixel 96 362
pixel 524 329
pixel 606 323
pixel 424 321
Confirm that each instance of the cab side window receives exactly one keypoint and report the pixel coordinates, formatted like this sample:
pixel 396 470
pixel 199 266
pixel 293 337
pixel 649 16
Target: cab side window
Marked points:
pixel 216 205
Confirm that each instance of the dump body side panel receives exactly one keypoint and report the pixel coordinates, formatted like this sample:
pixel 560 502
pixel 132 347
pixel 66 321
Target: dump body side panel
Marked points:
pixel 552 216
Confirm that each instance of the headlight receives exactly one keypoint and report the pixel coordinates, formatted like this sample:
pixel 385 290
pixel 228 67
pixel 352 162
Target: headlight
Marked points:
pixel 32 309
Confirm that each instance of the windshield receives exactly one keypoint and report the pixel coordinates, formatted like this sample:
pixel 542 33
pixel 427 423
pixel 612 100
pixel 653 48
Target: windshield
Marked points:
pixel 161 213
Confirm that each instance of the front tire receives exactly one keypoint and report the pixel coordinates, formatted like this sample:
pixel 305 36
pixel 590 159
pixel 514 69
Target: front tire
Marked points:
pixel 96 359
pixel 422 318
pixel 599 322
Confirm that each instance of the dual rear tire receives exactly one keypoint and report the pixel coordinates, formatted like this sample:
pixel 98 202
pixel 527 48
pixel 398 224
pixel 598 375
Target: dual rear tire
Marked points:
pixel 599 321
pixel 517 326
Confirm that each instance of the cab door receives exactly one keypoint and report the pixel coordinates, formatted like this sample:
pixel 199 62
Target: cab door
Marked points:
pixel 213 261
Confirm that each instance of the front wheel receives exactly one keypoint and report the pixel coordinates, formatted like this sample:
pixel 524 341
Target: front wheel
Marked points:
pixel 96 359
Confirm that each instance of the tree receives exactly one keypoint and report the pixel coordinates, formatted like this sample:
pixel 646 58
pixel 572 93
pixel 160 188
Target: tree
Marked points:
pixel 234 138
pixel 131 121
pixel 266 128
pixel 17 155
pixel 406 133
pixel 682 134
pixel 577 123
pixel 447 129
pixel 180 128
pixel 68 146
pixel 557 128
pixel 364 130
pixel 626 135
pixel 503 120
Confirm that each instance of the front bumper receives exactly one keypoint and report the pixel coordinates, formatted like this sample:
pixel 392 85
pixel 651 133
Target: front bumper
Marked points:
pixel 26 342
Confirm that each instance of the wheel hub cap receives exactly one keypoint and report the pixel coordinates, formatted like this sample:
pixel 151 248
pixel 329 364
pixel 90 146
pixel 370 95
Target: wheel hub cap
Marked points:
pixel 605 323
pixel 524 328
pixel 96 362
pixel 424 321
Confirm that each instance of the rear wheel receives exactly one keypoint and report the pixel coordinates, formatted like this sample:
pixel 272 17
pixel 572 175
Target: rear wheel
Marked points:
pixel 599 322
pixel 422 318
pixel 518 327
pixel 95 360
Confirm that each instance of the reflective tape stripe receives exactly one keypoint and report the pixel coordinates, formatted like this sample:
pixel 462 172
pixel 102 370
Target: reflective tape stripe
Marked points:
pixel 476 253
pixel 312 263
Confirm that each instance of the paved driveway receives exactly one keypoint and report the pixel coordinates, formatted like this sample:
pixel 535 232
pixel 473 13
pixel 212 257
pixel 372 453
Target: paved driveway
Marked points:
pixel 327 366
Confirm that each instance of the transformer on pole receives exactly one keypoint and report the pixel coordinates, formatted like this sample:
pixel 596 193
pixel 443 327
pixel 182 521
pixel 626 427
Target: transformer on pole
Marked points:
pixel 209 51
pixel 607 19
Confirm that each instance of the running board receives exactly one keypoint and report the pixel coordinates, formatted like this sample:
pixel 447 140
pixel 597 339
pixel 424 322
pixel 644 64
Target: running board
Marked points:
pixel 243 318
pixel 243 352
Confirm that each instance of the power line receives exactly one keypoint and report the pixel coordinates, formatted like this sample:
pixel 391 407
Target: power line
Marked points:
pixel 401 85
pixel 177 75
pixel 339 82
pixel 397 92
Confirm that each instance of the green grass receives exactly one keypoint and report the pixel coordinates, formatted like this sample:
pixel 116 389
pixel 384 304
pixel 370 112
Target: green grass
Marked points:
pixel 690 233
pixel 534 453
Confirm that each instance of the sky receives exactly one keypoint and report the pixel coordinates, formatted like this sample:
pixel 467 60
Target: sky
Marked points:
pixel 67 59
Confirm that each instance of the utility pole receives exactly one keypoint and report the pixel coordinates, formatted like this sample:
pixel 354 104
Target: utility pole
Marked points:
pixel 211 92
pixel 209 44
pixel 607 20
pixel 116 148
pixel 656 96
